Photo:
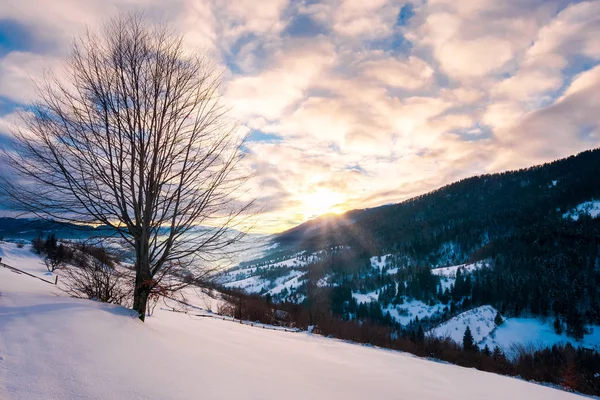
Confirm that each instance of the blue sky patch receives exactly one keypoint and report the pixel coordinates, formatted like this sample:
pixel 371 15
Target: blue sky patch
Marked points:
pixel 477 132
pixel 303 25
pixel 406 13
pixel 259 136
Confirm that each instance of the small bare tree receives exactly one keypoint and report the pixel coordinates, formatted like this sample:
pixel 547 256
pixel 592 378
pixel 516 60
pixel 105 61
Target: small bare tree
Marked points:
pixel 136 138
pixel 90 278
pixel 53 263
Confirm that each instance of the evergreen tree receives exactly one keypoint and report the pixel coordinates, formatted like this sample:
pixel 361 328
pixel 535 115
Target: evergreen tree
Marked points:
pixel 558 328
pixel 497 354
pixel 468 342
pixel 51 244
pixel 486 350
pixel 498 319
pixel 420 335
pixel 38 244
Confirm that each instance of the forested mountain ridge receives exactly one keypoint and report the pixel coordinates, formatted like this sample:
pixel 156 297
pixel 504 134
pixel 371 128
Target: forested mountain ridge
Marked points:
pixel 533 229
pixel 469 213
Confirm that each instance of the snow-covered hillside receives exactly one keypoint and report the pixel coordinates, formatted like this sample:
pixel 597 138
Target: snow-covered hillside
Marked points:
pixel 512 332
pixel 448 274
pixel 537 333
pixel 480 320
pixel 379 262
pixel 591 208
pixel 56 347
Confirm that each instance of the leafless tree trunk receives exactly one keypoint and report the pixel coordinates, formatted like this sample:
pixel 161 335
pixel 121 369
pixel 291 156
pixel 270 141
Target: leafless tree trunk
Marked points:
pixel 135 138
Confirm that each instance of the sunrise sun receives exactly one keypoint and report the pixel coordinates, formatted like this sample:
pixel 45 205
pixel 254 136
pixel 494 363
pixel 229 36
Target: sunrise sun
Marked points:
pixel 322 201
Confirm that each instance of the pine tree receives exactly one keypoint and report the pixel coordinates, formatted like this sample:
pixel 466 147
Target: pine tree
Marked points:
pixel 51 244
pixel 468 344
pixel 498 319
pixel 38 244
pixel 497 354
pixel 558 328
pixel 420 335
pixel 486 350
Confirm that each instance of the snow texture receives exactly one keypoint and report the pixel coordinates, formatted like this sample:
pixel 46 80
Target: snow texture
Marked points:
pixel 480 320
pixel 56 347
pixel 512 333
pixel 537 333
pixel 591 208
pixel 412 309
pixel 448 274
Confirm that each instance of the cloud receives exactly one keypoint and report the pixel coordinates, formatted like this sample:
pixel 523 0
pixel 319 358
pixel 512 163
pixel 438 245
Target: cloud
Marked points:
pixel 19 70
pixel 360 103
pixel 291 72
pixel 411 73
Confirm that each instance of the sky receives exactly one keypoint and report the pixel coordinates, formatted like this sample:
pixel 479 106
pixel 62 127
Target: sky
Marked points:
pixel 353 104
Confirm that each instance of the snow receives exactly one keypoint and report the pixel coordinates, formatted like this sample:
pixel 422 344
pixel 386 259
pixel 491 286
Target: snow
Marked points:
pixel 537 333
pixel 464 268
pixel 366 297
pixel 380 261
pixel 273 246
pixel 23 258
pixel 513 332
pixel 591 208
pixel 253 284
pixel 415 308
pixel 56 347
pixel 480 320
pixel 410 308
pixel 448 274
pixel 290 281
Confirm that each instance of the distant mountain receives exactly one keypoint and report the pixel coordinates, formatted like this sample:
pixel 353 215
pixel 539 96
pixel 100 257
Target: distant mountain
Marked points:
pixel 29 228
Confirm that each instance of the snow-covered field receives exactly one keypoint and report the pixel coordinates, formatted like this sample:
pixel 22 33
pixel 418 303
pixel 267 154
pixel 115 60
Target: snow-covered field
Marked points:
pixel 411 308
pixel 480 320
pixel 448 274
pixel 513 332
pixel 537 333
pixel 365 297
pixel 380 262
pixel 254 284
pixel 56 347
pixel 290 281
pixel 415 308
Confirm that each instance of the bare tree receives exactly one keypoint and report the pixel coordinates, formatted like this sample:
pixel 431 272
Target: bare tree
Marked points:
pixel 90 278
pixel 135 138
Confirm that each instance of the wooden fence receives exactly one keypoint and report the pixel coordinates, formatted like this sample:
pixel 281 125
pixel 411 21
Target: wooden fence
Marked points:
pixel 21 272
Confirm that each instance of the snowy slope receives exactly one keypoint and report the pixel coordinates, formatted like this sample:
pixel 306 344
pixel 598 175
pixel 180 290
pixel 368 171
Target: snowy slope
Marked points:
pixel 535 332
pixel 290 281
pixel 56 347
pixel 480 320
pixel 513 331
pixel 411 309
pixel 380 262
pixel 448 274
pixel 591 208
pixel 251 280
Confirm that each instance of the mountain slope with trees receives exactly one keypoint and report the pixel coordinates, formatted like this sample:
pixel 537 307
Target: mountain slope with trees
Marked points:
pixel 536 231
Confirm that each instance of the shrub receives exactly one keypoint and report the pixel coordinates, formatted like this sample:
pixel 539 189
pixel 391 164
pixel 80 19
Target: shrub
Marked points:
pixel 92 279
